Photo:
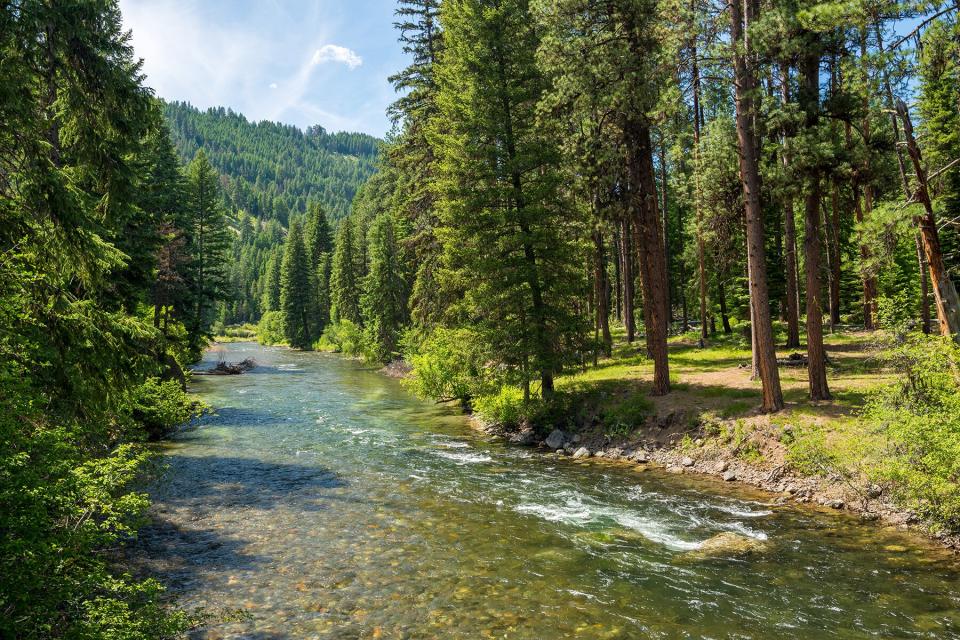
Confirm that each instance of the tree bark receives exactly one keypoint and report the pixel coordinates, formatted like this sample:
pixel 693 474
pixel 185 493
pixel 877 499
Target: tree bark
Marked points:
pixel 741 17
pixel 944 292
pixel 816 357
pixel 701 244
pixel 626 270
pixel 650 250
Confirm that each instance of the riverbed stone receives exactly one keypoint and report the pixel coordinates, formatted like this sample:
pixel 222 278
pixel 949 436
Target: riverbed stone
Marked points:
pixel 687 461
pixel 556 439
pixel 726 545
pixel 729 476
pixel 835 504
pixel 582 452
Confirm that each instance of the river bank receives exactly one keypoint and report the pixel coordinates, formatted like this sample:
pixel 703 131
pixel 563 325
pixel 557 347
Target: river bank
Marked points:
pixel 822 454
pixel 656 446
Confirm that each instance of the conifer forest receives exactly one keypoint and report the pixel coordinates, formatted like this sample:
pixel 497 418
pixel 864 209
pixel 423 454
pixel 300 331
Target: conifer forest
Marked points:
pixel 641 321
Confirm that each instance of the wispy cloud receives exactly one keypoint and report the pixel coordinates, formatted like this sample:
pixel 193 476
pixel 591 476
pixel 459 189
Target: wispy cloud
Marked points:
pixel 336 53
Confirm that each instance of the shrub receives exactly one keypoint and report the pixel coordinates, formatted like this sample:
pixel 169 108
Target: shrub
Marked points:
pixel 918 417
pixel 343 337
pixel 450 364
pixel 270 329
pixel 161 406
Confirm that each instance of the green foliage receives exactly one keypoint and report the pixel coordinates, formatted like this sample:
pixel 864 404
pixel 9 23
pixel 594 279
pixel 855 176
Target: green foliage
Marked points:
pixel 161 406
pixel 343 337
pixel 270 329
pixel 274 170
pixel 345 274
pixel 919 419
pixel 450 364
pixel 384 299
pixel 506 407
pixel 298 293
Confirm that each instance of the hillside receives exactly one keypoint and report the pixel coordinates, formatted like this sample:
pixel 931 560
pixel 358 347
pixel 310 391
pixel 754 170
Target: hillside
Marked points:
pixel 270 169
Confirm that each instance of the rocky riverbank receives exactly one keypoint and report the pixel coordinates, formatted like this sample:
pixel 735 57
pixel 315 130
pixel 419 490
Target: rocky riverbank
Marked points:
pixel 658 444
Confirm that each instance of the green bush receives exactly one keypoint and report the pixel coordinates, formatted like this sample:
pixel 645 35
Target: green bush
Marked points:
pixel 505 407
pixel 161 406
pixel 918 418
pixel 343 337
pixel 270 329
pixel 450 364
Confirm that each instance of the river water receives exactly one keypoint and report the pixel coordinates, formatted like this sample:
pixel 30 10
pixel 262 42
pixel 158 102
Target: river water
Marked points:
pixel 324 501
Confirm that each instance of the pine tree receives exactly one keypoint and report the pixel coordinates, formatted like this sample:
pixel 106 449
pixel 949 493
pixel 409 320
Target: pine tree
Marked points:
pixel 271 287
pixel 384 298
pixel 208 244
pixel 298 292
pixel 344 278
pixel 317 235
pixel 505 229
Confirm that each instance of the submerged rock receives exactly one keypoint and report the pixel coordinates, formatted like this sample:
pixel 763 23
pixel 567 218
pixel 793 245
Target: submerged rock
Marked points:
pixel 556 439
pixel 727 545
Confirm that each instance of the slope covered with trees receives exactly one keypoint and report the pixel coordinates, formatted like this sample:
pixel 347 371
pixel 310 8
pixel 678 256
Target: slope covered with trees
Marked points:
pixel 273 170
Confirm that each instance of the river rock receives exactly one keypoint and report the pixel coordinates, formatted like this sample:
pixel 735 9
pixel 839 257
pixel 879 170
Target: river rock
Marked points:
pixel 556 439
pixel 834 504
pixel 639 456
pixel 582 452
pixel 600 454
pixel 526 437
pixel 687 461
pixel 727 545
pixel 729 476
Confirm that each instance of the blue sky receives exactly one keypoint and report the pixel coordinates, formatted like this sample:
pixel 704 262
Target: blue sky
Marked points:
pixel 301 62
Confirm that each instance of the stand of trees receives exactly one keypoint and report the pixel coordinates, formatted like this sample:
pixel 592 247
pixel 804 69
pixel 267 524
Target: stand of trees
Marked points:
pixel 560 166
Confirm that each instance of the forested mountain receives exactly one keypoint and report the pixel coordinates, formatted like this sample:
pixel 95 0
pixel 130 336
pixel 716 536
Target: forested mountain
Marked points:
pixel 270 173
pixel 272 170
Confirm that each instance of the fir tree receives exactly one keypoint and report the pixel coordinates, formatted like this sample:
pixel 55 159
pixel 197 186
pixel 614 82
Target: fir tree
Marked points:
pixel 384 301
pixel 208 244
pixel 297 292
pixel 344 277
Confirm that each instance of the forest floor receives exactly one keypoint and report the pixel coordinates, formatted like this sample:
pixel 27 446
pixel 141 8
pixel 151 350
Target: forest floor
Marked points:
pixel 817 453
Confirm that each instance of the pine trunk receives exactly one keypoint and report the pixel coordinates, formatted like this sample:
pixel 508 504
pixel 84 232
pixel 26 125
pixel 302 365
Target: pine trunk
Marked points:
pixel 745 84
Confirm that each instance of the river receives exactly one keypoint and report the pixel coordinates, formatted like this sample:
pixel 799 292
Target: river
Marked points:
pixel 322 500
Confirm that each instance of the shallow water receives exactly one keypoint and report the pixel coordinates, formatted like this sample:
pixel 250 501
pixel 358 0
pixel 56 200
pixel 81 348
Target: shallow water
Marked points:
pixel 326 502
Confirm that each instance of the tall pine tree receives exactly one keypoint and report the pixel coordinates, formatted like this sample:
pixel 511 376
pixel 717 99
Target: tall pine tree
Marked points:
pixel 298 292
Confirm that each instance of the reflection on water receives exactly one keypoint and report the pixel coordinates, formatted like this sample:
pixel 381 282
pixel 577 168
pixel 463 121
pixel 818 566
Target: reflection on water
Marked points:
pixel 326 502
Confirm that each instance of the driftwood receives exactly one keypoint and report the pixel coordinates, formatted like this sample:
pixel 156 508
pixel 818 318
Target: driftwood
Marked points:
pixel 229 369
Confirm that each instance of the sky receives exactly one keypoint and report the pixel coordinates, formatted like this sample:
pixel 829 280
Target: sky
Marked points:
pixel 300 62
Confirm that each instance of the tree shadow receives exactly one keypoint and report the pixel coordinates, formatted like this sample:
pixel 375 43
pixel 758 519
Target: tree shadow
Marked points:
pixel 210 483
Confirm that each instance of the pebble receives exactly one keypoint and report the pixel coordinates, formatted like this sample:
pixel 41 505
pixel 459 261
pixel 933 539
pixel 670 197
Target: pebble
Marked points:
pixel 687 461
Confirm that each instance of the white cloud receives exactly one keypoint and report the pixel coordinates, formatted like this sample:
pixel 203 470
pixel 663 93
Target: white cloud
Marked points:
pixel 273 85
pixel 336 53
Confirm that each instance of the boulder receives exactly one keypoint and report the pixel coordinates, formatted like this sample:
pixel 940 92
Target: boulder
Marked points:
pixel 727 545
pixel 582 452
pixel 729 476
pixel 556 439
pixel 526 437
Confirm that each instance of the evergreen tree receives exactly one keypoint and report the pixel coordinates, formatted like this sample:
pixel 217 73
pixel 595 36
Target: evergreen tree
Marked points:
pixel 318 237
pixel 504 226
pixel 271 292
pixel 384 300
pixel 344 277
pixel 208 244
pixel 298 292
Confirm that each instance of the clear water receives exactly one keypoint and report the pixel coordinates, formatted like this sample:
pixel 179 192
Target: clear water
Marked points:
pixel 326 502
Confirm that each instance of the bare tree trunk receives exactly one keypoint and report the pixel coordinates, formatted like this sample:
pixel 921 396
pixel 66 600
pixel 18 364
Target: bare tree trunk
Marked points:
pixel 944 292
pixel 722 301
pixel 745 84
pixel 790 234
pixel 816 357
pixel 617 262
pixel 650 249
pixel 863 212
